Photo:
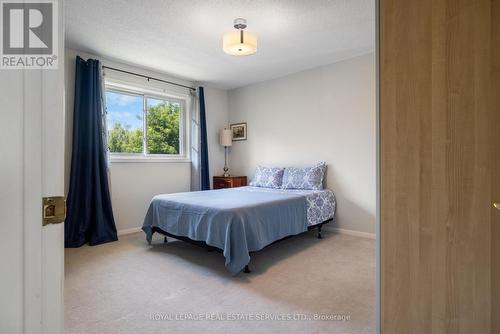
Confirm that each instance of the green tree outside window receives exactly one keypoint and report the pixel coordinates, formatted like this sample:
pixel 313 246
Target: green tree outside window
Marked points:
pixel 163 120
pixel 163 128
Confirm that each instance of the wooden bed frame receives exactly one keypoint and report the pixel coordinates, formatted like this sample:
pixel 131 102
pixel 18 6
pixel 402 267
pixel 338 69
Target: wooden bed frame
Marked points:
pixel 217 249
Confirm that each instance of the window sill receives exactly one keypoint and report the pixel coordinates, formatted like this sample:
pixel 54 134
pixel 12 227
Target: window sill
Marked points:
pixel 120 159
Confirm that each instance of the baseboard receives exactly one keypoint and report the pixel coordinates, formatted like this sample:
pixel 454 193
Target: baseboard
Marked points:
pixel 333 229
pixel 352 232
pixel 129 231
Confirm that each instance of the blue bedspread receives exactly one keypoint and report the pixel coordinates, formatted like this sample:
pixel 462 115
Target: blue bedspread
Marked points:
pixel 233 220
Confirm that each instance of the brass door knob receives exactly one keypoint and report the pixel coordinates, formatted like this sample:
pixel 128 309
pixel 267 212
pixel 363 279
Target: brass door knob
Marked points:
pixel 497 205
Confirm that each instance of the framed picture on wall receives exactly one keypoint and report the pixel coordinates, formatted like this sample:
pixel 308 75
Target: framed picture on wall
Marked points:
pixel 239 131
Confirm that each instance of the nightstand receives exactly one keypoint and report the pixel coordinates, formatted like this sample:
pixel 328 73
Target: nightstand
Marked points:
pixel 221 182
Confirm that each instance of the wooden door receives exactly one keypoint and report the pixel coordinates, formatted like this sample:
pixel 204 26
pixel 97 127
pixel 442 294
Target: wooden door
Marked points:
pixel 495 190
pixel 440 165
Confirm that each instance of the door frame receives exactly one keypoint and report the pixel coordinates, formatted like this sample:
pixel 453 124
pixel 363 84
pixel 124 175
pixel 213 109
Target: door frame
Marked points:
pixel 44 250
pixel 42 243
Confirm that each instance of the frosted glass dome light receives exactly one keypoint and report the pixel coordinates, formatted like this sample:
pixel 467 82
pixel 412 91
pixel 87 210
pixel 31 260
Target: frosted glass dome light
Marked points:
pixel 239 43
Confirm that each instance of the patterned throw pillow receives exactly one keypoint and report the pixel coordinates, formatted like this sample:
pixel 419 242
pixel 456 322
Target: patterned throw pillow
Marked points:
pixel 310 178
pixel 267 177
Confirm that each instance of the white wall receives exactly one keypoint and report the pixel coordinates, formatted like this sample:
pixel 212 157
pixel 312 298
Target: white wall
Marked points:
pixel 324 114
pixel 133 184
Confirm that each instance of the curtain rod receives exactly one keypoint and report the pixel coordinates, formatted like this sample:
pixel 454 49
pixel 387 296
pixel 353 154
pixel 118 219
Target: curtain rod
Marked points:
pixel 149 78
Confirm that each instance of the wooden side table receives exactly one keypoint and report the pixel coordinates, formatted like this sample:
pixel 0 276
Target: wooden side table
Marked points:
pixel 221 182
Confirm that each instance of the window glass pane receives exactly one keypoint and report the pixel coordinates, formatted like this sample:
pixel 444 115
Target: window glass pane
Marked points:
pixel 125 122
pixel 163 119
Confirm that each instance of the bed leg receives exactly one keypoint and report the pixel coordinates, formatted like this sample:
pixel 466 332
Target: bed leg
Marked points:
pixel 165 240
pixel 319 231
pixel 246 270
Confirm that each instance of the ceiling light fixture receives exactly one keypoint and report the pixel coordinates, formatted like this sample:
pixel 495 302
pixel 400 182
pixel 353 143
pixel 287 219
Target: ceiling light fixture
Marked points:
pixel 239 43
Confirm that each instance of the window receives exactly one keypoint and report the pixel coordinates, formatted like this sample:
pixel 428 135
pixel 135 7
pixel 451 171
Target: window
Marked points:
pixel 163 122
pixel 144 125
pixel 125 122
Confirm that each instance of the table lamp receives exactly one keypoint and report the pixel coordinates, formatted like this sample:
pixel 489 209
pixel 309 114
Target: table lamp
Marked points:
pixel 226 140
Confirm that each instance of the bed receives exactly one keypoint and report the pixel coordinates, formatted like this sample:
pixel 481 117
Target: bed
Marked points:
pixel 238 221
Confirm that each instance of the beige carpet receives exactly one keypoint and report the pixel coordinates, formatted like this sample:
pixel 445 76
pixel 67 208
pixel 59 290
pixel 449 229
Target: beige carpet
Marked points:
pixel 126 286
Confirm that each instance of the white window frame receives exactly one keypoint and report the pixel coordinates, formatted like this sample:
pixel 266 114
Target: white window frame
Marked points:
pixel 183 155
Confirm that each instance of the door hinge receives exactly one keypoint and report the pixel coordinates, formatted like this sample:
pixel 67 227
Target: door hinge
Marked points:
pixel 53 210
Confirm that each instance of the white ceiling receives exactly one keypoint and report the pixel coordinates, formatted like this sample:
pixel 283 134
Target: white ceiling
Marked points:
pixel 184 37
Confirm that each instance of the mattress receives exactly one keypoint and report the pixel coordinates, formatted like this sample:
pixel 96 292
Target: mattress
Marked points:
pixel 321 204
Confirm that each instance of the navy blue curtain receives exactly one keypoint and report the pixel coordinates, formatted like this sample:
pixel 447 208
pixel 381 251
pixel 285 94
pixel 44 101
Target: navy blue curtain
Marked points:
pixel 205 173
pixel 89 215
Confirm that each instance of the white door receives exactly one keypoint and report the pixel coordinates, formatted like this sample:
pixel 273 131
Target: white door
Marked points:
pixel 32 165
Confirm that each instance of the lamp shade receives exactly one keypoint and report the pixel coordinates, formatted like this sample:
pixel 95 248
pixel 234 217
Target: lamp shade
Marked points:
pixel 226 137
pixel 239 43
